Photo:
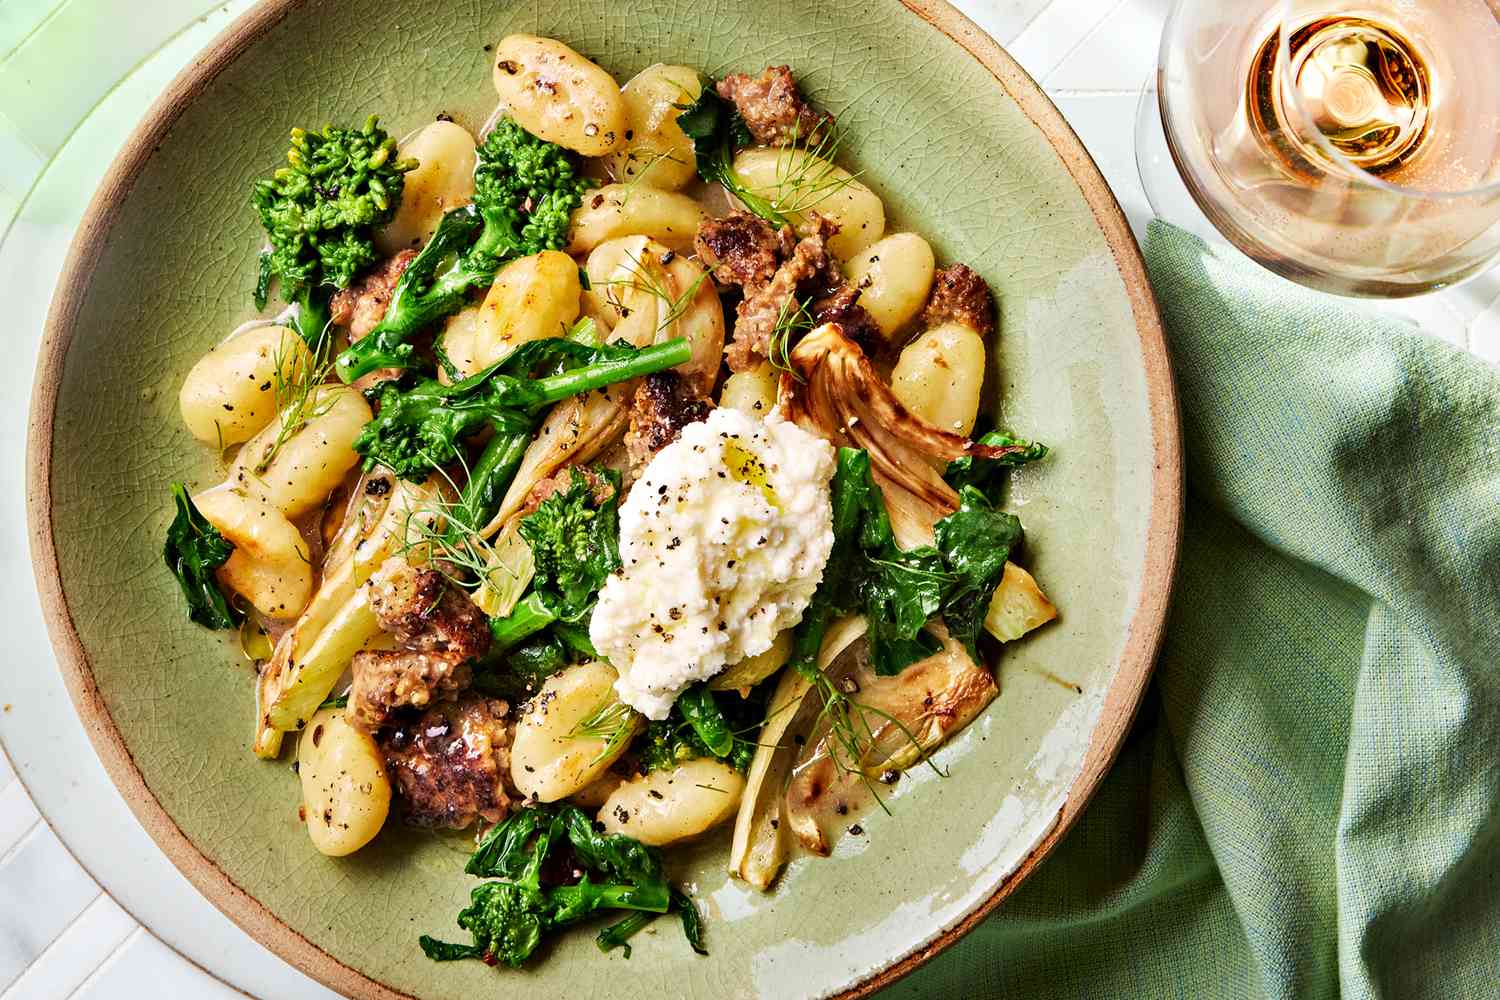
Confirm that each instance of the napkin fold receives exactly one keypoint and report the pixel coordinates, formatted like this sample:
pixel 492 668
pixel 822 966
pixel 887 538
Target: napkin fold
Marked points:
pixel 1309 803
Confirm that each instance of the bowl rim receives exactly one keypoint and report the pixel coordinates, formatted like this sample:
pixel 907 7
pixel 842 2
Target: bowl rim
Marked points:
pixel 1123 698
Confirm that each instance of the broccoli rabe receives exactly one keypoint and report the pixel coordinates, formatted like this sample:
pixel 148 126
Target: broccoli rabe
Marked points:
pixel 705 723
pixel 509 918
pixel 525 191
pixel 422 427
pixel 574 537
pixel 900 590
pixel 193 551
pixel 575 541
pixel 320 212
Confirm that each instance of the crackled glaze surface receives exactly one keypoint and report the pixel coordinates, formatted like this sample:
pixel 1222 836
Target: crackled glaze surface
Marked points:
pixel 169 273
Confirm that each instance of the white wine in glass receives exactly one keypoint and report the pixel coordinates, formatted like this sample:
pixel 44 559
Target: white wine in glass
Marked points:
pixel 1354 147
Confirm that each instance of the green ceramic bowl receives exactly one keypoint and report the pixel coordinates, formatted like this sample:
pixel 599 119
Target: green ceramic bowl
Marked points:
pixel 963 147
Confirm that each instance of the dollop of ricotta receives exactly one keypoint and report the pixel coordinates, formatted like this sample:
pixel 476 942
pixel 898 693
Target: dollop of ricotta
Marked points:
pixel 723 542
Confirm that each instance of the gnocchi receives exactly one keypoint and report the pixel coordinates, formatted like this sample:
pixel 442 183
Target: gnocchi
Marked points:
pixel 573 730
pixel 666 807
pixel 753 669
pixel 460 333
pixel 297 461
pixel 798 183
pixel 346 794
pixel 604 298
pixel 940 375
pixel 594 795
pixel 231 393
pixel 752 391
pixel 532 298
pixel 270 566
pixel 894 277
pixel 442 180
pixel 658 154
pixel 649 293
pixel 616 210
pixel 555 93
pixel 700 319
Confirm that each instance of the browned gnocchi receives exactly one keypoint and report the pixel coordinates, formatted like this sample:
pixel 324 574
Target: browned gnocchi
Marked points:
pixel 559 95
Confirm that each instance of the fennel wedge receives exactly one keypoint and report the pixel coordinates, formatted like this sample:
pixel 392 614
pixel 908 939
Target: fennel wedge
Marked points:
pixel 339 621
pixel 761 843
pixel 904 717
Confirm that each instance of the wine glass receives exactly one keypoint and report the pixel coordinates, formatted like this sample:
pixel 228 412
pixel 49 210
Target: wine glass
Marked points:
pixel 1350 146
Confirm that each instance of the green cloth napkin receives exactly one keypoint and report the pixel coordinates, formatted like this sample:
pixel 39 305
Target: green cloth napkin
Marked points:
pixel 1309 803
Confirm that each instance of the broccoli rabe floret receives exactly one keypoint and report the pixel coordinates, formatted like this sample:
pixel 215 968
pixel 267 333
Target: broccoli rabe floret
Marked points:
pixel 574 537
pixel 320 212
pixel 525 191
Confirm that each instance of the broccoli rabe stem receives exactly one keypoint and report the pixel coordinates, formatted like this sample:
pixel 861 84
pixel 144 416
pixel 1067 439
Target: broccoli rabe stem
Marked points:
pixel 312 315
pixel 619 933
pixel 589 897
pixel 496 468
pixel 602 373
pixel 492 476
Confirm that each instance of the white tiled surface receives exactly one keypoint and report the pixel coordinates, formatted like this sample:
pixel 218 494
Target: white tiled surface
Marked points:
pixel 60 935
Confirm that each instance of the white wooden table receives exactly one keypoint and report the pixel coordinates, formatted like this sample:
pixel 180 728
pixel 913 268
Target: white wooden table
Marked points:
pixel 61 934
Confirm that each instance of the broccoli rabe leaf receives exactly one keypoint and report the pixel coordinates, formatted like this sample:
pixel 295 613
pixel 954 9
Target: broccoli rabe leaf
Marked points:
pixel 975 542
pixel 510 849
pixel 900 590
pixel 701 711
pixel 508 919
pixel 524 667
pixel 194 549
pixel 692 921
pixel 446 951
pixel 622 858
pixel 988 474
pixel 320 212
pixel 525 191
